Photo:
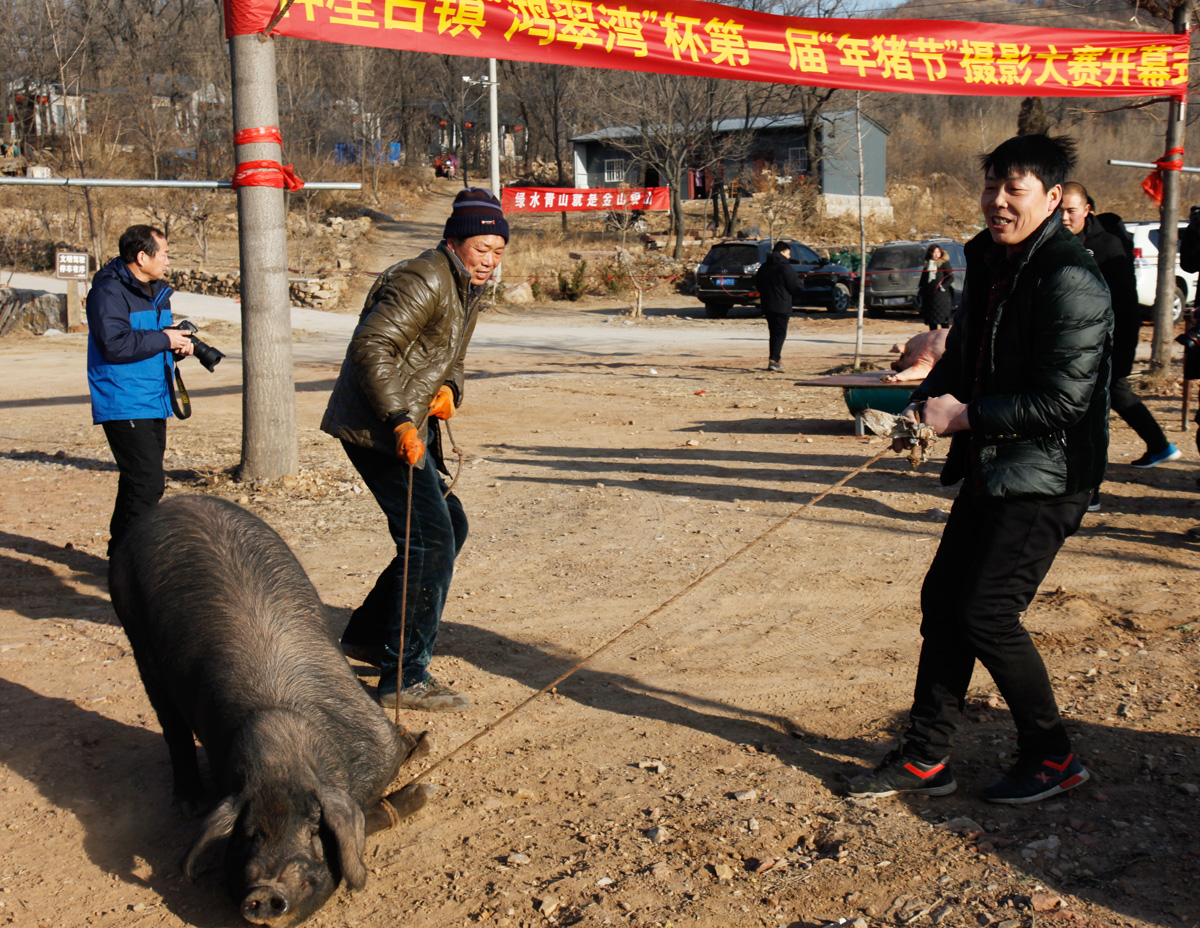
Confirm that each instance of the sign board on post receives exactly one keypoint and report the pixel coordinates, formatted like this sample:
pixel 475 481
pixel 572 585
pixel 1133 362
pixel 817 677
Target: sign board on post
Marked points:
pixel 72 266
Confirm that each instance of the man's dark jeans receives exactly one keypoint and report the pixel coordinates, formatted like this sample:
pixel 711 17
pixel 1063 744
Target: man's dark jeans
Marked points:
pixel 777 327
pixel 138 446
pixel 993 554
pixel 439 529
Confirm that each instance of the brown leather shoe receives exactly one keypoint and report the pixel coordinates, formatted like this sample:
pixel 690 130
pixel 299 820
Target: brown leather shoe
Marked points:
pixel 426 696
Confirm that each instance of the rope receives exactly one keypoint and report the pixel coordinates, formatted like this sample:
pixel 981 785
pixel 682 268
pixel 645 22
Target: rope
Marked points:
pixel 462 456
pixel 492 726
pixel 404 592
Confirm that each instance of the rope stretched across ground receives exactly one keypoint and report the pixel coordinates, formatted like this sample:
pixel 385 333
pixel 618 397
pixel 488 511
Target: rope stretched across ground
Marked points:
pixel 492 726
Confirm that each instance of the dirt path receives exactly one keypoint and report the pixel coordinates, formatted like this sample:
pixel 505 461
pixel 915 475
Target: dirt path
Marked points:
pixel 690 775
pixel 388 242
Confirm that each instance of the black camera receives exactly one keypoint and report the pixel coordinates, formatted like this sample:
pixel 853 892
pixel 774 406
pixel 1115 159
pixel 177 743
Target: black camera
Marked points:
pixel 1191 338
pixel 206 354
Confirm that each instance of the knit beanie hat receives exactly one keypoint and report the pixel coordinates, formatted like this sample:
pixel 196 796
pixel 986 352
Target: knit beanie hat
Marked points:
pixel 476 212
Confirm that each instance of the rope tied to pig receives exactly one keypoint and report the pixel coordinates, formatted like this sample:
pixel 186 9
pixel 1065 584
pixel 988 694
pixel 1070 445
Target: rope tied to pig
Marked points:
pixel 493 725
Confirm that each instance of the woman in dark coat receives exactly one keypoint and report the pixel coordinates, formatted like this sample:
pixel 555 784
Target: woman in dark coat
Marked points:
pixel 937 303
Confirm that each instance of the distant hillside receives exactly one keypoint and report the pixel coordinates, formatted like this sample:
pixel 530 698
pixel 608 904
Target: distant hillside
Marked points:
pixel 935 140
pixel 1053 14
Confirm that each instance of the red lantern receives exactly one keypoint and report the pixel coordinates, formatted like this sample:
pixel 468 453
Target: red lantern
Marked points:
pixel 10 117
pixel 20 99
pixel 517 128
pixel 469 125
pixel 442 123
pixel 45 100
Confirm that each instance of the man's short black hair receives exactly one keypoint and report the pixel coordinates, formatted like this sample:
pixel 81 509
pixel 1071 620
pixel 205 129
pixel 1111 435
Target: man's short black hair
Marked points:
pixel 1050 159
pixel 781 247
pixel 137 239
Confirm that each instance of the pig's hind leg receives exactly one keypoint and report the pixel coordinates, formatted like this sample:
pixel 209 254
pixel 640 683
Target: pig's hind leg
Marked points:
pixel 181 745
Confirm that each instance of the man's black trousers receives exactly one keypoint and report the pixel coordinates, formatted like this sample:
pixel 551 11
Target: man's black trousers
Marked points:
pixel 993 555
pixel 777 326
pixel 1126 404
pixel 139 446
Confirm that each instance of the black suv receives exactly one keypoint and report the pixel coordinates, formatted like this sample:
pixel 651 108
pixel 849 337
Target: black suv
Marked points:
pixel 894 271
pixel 725 277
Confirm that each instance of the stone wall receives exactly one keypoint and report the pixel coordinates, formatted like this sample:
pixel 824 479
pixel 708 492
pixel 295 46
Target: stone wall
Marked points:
pixel 32 311
pixel 311 293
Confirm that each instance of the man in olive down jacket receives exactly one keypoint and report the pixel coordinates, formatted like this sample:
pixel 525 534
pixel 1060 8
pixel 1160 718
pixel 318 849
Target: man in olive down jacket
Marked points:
pixel 404 368
pixel 1023 388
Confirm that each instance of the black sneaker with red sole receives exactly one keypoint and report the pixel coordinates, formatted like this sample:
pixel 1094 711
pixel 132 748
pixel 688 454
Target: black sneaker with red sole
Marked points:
pixel 1032 779
pixel 899 774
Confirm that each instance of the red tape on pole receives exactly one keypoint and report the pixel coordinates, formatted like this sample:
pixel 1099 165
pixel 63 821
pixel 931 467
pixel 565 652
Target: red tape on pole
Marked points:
pixel 265 172
pixel 258 134
pixel 1153 184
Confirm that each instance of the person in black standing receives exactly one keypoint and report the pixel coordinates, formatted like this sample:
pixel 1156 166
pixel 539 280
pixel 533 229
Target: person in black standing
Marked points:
pixel 1023 389
pixel 937 277
pixel 1116 264
pixel 777 284
pixel 1189 260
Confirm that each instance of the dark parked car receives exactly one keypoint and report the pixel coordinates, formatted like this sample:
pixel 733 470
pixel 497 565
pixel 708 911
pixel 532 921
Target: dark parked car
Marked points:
pixel 725 277
pixel 894 270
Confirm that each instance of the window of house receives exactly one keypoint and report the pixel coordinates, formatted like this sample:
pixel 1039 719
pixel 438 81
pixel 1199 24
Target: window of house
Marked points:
pixel 797 160
pixel 614 170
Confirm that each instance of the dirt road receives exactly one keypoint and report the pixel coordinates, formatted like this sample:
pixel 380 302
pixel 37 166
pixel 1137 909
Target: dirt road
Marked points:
pixel 692 774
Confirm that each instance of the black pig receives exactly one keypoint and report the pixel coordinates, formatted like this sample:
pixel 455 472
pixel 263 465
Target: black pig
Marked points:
pixel 233 644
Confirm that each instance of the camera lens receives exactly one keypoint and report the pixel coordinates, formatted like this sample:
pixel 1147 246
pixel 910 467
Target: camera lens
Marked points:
pixel 205 354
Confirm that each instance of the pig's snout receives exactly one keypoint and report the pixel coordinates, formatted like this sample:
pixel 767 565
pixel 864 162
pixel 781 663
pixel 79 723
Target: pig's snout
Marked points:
pixel 265 903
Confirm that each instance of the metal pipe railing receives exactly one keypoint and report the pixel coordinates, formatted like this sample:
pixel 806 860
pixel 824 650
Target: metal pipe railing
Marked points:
pixel 167 184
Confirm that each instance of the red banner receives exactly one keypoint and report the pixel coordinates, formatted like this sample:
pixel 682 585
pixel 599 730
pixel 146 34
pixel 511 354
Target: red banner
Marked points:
pixel 580 199
pixel 710 40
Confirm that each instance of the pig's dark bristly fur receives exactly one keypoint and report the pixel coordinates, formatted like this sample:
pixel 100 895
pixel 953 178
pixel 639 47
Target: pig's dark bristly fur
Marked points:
pixel 233 644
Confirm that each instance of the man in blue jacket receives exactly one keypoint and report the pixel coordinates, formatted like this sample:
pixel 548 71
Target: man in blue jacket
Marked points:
pixel 130 362
pixel 1023 390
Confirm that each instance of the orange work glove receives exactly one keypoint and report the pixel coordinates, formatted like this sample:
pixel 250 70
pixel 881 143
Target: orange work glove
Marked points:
pixel 409 446
pixel 442 404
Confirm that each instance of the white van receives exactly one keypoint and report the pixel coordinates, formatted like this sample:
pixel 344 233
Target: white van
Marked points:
pixel 1145 268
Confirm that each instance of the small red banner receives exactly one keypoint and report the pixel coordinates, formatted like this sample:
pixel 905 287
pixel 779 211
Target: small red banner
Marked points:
pixel 580 199
pixel 711 40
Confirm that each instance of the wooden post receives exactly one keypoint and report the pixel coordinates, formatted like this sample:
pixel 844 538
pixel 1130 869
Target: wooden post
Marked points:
pixel 270 440
pixel 74 305
pixel 1168 227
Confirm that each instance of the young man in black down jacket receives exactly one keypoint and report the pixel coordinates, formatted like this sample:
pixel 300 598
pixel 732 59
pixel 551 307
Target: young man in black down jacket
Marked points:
pixel 1116 266
pixel 1023 389
pixel 777 283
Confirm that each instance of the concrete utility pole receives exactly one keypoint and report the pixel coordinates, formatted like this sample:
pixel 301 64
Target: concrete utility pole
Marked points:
pixel 1168 227
pixel 494 125
pixel 270 443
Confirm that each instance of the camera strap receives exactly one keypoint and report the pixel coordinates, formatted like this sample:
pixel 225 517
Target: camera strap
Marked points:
pixel 181 405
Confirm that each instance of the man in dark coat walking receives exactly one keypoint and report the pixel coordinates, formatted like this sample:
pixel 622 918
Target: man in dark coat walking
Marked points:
pixel 1023 388
pixel 777 284
pixel 1116 264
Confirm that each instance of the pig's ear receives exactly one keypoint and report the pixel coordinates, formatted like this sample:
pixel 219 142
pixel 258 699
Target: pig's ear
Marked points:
pixel 219 824
pixel 349 826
